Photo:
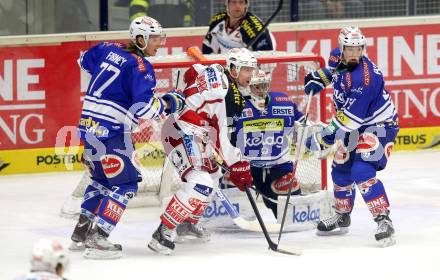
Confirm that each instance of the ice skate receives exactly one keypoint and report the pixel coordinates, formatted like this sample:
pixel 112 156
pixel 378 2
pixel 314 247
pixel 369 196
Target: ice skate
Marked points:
pixel 98 247
pixel 385 231
pixel 335 225
pixel 79 234
pixel 186 230
pixel 163 240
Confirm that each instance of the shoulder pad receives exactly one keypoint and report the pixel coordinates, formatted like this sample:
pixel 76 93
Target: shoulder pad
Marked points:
pixel 216 19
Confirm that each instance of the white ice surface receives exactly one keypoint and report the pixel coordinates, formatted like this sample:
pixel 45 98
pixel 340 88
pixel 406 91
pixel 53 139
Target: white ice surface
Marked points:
pixel 30 205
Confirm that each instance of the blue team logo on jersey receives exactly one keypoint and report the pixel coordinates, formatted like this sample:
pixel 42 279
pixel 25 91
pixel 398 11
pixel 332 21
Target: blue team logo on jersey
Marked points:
pixel 247 113
pixel 149 77
pixel 282 110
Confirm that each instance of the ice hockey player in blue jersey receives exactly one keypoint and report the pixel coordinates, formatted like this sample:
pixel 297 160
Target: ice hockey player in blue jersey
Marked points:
pixel 121 91
pixel 365 125
pixel 263 132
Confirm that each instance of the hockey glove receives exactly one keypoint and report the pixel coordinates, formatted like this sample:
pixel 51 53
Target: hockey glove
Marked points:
pixel 240 175
pixel 316 81
pixel 315 143
pixel 175 100
pixel 334 60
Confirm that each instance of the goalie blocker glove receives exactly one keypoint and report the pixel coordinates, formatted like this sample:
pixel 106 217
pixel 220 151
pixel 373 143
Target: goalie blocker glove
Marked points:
pixel 316 81
pixel 175 100
pixel 240 175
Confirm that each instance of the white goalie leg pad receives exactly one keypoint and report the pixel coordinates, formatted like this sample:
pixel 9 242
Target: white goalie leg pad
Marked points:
pixel 71 207
pixel 192 199
pixel 305 211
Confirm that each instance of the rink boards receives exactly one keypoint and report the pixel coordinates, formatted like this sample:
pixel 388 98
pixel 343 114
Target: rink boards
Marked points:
pixel 42 87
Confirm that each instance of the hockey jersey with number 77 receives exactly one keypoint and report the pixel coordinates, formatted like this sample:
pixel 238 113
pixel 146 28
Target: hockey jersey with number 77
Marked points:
pixel 121 91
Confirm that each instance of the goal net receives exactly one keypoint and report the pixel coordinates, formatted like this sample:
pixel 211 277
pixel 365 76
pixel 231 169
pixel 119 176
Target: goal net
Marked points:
pixel 288 70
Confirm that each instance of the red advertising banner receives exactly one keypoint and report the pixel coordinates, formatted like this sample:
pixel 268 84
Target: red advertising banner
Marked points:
pixel 408 56
pixel 41 86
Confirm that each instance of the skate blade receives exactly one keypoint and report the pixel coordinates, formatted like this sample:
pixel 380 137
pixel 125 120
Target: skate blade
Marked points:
pixel 387 242
pixel 337 231
pixel 155 246
pixel 191 238
pixel 77 247
pixel 95 254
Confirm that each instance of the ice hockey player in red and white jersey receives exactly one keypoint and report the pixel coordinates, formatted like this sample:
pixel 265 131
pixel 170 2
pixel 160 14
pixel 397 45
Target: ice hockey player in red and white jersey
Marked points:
pixel 193 138
pixel 48 261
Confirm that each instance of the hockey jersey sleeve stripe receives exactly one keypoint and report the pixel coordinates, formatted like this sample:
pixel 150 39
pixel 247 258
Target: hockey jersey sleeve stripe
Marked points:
pixel 145 109
pixel 345 121
pixel 386 115
pixel 111 104
pixel 353 117
pixel 340 125
pixel 109 111
pixel 152 110
pixel 99 116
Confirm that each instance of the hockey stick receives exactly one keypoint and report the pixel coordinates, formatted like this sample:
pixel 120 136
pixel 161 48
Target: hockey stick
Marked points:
pixel 295 166
pixel 296 251
pixel 268 21
pixel 239 221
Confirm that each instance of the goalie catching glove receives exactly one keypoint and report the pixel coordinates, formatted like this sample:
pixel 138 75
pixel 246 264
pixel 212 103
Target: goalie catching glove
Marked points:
pixel 175 100
pixel 240 175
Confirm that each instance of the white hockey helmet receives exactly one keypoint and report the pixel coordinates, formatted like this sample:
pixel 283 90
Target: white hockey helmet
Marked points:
pixel 145 27
pixel 351 36
pixel 240 57
pixel 47 254
pixel 259 88
pixel 227 6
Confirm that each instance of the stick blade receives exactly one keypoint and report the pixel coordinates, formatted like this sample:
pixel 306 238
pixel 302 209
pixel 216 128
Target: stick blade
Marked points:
pixel 287 250
pixel 290 250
